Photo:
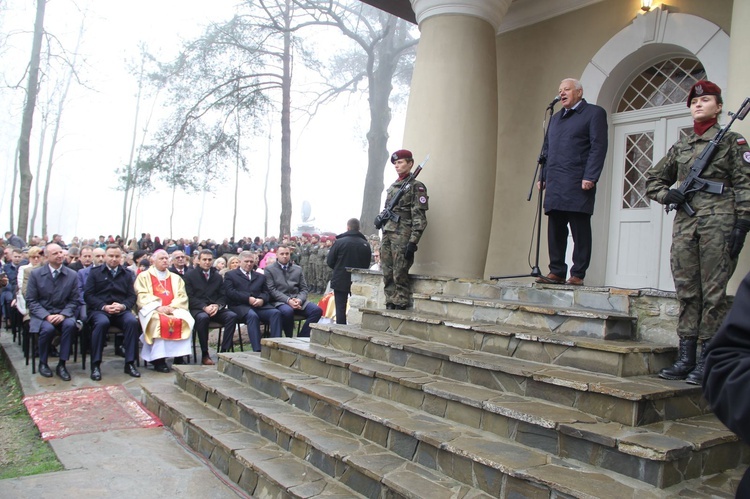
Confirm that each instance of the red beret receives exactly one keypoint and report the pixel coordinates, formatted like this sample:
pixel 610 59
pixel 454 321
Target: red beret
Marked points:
pixel 401 154
pixel 316 236
pixel 704 87
pixel 305 234
pixel 294 238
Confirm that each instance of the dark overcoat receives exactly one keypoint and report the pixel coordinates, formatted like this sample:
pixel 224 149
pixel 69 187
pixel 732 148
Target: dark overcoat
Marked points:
pixel 238 289
pixel 351 250
pixel 575 148
pixel 726 382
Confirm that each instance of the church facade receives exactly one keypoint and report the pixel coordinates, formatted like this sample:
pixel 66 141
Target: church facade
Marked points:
pixel 485 72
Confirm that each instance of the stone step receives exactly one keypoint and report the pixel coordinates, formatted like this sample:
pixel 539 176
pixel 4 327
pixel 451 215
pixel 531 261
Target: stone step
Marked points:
pixel 572 320
pixel 260 467
pixel 633 401
pixel 616 357
pixel 323 437
pixel 475 457
pixel 660 454
pixel 583 297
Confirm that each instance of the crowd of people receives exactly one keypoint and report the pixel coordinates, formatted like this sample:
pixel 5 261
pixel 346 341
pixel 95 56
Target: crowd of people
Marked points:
pixel 160 293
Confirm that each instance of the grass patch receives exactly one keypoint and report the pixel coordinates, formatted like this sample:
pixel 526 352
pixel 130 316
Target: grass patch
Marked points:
pixel 22 451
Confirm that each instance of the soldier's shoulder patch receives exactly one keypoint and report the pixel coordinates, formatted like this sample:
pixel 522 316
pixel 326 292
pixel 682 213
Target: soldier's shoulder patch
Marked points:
pixel 746 156
pixel 421 188
pixel 741 141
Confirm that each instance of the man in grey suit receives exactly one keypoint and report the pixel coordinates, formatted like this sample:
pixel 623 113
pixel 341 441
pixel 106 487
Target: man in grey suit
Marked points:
pixel 288 290
pixel 52 299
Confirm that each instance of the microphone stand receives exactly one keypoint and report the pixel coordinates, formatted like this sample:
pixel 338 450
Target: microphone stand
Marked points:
pixel 538 174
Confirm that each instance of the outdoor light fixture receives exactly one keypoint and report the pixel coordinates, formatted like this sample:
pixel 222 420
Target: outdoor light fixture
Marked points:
pixel 646 5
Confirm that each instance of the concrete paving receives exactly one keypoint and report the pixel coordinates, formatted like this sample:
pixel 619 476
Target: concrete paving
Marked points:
pixel 151 461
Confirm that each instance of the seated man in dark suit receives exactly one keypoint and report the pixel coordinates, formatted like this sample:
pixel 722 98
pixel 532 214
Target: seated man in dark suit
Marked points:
pixel 288 290
pixel 247 296
pixel 52 299
pixel 110 297
pixel 180 263
pixel 205 292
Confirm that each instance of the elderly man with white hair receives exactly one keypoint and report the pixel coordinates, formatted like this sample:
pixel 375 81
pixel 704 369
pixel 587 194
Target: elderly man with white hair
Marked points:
pixel 163 312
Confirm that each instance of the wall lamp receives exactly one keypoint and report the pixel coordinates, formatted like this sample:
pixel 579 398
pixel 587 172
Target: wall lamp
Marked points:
pixel 646 5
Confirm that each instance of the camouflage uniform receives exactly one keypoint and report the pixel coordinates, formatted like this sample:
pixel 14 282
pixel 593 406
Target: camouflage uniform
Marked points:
pixel 396 235
pixel 304 258
pixel 700 261
pixel 312 265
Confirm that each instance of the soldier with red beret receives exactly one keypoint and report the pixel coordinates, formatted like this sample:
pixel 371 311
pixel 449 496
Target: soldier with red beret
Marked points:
pixel 705 247
pixel 400 239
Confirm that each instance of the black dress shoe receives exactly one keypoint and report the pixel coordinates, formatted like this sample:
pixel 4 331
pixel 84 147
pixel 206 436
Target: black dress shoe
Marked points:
pixel 96 373
pixel 132 371
pixel 62 372
pixel 45 371
pixel 161 367
pixel 179 361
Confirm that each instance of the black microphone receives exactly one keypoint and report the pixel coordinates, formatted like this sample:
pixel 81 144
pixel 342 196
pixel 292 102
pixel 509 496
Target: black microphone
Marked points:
pixel 554 101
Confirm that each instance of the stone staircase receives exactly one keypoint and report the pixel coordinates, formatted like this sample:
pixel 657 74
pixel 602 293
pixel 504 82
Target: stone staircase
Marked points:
pixel 481 390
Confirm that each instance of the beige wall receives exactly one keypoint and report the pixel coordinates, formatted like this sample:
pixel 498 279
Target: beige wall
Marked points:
pixel 531 63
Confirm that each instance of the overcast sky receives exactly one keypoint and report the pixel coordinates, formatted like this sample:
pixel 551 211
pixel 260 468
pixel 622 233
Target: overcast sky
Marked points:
pixel 329 157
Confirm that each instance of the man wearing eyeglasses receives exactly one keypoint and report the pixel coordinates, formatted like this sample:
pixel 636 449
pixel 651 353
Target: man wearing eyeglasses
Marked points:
pixel 180 264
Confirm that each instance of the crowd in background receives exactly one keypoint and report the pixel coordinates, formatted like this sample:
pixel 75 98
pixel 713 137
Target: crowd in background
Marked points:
pixel 309 250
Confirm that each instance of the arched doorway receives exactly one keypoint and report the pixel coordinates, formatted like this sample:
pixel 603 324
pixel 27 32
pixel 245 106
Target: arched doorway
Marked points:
pixel 651 115
pixel 622 257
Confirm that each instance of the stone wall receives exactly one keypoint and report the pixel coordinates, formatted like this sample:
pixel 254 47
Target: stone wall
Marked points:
pixel 657 311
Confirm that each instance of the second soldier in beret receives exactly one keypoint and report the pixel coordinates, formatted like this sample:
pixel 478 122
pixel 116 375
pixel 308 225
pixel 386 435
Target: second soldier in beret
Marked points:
pixel 705 247
pixel 400 239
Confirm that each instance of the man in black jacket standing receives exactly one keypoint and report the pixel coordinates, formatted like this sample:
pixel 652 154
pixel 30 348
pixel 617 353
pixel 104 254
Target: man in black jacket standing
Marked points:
pixel 351 250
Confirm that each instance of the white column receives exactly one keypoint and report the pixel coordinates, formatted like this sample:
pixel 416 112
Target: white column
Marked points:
pixel 453 116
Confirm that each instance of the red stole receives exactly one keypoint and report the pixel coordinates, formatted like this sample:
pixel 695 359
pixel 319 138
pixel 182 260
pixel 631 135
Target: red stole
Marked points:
pixel 171 327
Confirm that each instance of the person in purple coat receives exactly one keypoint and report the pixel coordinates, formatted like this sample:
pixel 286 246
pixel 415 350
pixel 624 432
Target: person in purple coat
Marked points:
pixel 574 151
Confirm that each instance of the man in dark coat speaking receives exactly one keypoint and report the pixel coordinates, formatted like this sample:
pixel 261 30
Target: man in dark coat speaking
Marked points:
pixel 575 148
pixel 351 249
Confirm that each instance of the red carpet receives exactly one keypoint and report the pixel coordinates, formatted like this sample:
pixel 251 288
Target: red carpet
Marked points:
pixel 87 410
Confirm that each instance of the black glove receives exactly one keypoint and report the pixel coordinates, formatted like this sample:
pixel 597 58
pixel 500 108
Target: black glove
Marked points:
pixel 674 197
pixel 411 248
pixel 737 237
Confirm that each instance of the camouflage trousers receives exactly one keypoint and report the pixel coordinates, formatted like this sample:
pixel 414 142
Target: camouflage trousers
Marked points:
pixel 701 269
pixel 395 268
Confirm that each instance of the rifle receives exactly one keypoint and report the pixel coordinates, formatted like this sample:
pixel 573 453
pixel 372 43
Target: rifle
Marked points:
pixel 693 182
pixel 387 213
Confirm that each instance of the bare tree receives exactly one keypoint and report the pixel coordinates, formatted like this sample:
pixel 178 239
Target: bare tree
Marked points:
pixel 24 142
pixel 383 54
pixel 58 119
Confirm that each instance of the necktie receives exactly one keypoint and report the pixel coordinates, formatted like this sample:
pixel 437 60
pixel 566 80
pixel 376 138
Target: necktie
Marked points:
pixel 206 274
pixel 113 272
pixel 55 273
pixel 567 112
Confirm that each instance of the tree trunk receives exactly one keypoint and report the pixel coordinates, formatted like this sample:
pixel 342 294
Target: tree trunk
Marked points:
pixel 286 128
pixel 128 174
pixel 13 189
pixel 24 142
pixel 380 88
pixel 42 136
pixel 236 173
pixel 171 212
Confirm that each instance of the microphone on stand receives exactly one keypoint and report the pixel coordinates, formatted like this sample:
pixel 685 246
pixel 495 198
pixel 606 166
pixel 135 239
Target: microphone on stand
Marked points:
pixel 554 101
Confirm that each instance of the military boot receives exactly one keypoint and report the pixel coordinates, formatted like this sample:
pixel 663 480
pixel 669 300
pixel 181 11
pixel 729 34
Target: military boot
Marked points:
pixel 685 360
pixel 696 375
